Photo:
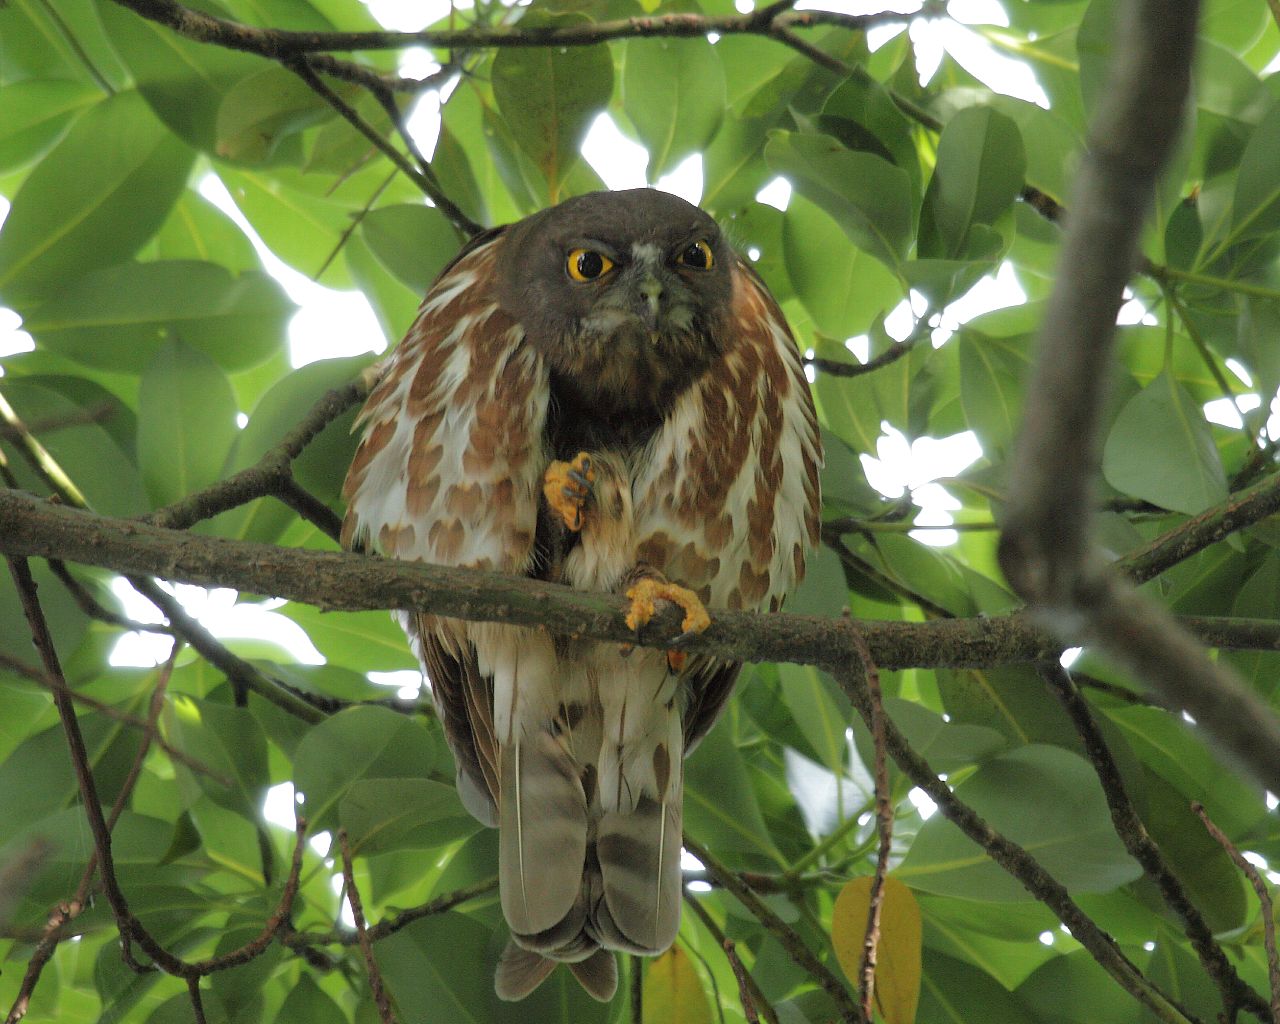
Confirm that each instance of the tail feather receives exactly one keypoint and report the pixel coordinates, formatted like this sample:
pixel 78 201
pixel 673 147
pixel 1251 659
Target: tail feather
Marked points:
pixel 542 834
pixel 520 971
pixel 639 855
pixel 598 974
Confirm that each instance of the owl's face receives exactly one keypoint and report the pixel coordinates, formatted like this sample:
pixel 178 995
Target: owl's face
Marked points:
pixel 625 293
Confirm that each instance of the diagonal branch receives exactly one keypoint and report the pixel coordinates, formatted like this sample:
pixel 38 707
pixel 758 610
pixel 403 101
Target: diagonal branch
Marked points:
pixel 804 957
pixel 1142 848
pixel 1045 550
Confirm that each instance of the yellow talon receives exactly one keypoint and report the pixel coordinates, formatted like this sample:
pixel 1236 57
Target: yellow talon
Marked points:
pixel 568 487
pixel 644 597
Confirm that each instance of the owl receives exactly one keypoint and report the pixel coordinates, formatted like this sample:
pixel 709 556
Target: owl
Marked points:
pixel 605 396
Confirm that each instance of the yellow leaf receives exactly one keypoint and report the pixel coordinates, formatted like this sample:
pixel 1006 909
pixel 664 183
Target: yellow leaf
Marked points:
pixel 897 986
pixel 672 992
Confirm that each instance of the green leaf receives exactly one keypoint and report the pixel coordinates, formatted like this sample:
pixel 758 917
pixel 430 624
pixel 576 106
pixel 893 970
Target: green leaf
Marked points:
pixel 259 111
pixel 35 113
pixel 403 814
pixel 186 423
pixel 719 804
pixel 866 195
pixel 820 710
pixel 898 967
pixel 673 91
pixel 198 231
pixel 1255 210
pixel 1044 798
pixel 308 1002
pixel 1160 449
pixel 355 744
pixel 324 463
pixel 97 456
pixel 440 968
pixel 548 98
pixel 992 375
pixel 227 740
pixel 122 317
pixel 843 288
pixel 954 992
pixel 980 170
pixel 414 242
pixel 65 222
pixel 366 641
pixel 182 80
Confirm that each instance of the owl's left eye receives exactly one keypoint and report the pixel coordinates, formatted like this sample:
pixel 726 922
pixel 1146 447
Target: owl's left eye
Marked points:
pixel 697 256
pixel 587 264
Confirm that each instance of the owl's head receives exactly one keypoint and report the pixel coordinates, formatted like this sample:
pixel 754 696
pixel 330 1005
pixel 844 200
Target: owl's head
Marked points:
pixel 625 293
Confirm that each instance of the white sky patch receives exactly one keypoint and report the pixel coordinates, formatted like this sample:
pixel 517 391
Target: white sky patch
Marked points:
pixel 1226 412
pixel 1070 656
pixel 776 194
pixel 218 611
pixel 407 681
pixel 688 862
pixel 1272 801
pixel 412 15
pixel 1046 938
pixel 903 466
pixel 684 180
pixel 328 323
pixel 12 338
pixel 618 160
pixel 922 802
pixel 344 912
pixel 992 292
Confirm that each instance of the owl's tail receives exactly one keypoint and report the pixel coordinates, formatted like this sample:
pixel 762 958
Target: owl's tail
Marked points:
pixel 581 875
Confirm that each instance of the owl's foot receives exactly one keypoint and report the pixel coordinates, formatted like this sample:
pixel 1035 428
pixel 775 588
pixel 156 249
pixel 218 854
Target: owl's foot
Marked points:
pixel 644 596
pixel 568 486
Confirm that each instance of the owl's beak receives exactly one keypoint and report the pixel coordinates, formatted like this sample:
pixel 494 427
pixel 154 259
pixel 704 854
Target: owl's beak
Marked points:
pixel 651 289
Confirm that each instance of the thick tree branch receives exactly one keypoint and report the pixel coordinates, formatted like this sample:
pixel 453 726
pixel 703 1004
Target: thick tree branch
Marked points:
pixel 1045 550
pixel 279 44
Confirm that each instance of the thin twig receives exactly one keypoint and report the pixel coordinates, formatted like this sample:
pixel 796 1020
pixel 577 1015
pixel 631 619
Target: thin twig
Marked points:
pixel 884 824
pixel 94 608
pixel 744 990
pixel 636 989
pixel 1264 904
pixel 787 936
pixel 1008 854
pixel 366 944
pixel 197 1004
pixel 387 926
pixel 758 999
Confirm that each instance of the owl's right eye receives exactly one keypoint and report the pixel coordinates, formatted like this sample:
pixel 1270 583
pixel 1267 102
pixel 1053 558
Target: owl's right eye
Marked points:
pixel 587 264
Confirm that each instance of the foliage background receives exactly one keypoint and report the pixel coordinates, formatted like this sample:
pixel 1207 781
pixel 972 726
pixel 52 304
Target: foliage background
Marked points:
pixel 155 324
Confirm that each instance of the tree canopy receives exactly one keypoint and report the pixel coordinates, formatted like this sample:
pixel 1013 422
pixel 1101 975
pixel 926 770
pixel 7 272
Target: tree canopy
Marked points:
pixel 1026 762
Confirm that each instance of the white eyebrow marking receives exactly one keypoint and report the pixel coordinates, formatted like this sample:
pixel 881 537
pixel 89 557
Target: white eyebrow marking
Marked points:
pixel 646 252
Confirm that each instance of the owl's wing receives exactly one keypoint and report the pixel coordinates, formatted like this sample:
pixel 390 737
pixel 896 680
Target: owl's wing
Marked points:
pixel 449 471
pixel 732 488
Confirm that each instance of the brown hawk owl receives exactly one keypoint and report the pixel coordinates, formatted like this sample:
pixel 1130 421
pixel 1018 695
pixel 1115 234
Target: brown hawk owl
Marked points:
pixel 602 395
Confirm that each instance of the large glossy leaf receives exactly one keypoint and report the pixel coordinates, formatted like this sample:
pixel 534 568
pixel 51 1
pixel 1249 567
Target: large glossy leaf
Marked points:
pixel 898 967
pixel 980 169
pixel 66 221
pixel 439 967
pixel 1041 797
pixel 673 91
pixel 548 98
pixel 403 814
pixel 359 743
pixel 865 194
pixel 413 242
pixel 1160 449
pixel 186 422
pixel 122 317
pixel 36 112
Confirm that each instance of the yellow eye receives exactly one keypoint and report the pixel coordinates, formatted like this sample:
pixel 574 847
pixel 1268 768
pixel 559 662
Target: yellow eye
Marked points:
pixel 587 264
pixel 697 256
